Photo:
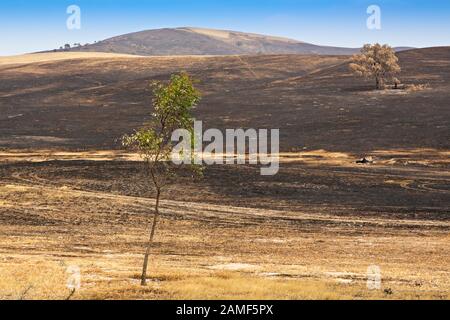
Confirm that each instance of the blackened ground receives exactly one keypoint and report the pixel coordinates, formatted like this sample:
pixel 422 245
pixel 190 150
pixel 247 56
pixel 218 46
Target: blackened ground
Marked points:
pixel 314 100
pixel 413 192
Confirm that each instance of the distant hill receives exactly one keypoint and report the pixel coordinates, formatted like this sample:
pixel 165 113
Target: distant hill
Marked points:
pixel 196 41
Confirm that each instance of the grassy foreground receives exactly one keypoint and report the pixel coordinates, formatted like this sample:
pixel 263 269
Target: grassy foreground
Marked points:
pixel 48 281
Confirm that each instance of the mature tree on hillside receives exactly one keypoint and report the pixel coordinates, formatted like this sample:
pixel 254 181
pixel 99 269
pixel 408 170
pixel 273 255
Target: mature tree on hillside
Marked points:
pixel 376 61
pixel 173 103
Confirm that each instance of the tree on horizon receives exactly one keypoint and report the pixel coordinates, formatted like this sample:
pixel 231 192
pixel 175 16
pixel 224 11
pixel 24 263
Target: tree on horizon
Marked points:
pixel 378 62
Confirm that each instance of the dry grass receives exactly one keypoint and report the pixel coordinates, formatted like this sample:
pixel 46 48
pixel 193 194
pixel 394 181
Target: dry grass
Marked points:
pixel 385 157
pixel 247 287
pixel 417 87
pixel 59 56
pixel 232 286
pixel 45 280
pixel 39 280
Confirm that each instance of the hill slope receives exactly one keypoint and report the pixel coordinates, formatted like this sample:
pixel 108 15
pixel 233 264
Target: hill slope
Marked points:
pixel 196 41
pixel 314 100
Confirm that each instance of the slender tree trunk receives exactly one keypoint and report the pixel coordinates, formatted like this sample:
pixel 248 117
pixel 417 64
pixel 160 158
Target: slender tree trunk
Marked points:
pixel 378 83
pixel 150 241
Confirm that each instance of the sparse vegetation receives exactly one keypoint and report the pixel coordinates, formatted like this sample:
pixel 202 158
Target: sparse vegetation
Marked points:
pixel 377 62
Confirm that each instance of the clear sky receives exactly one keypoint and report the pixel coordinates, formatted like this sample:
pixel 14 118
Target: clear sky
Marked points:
pixel 28 26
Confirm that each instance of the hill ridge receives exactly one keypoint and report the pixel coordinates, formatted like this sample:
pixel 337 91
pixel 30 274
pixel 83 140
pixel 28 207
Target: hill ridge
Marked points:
pixel 202 41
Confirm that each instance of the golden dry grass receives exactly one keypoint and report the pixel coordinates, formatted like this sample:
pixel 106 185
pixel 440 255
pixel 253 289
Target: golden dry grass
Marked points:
pixel 44 280
pixel 383 157
pixel 59 56
pixel 213 253
pixel 41 280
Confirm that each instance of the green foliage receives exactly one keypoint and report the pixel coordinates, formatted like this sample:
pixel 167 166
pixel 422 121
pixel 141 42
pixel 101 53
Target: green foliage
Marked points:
pixel 146 141
pixel 173 104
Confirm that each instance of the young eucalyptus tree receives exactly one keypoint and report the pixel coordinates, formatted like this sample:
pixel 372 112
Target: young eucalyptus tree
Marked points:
pixel 173 103
pixel 376 61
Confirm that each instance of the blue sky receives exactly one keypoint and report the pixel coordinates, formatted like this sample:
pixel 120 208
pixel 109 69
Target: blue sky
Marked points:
pixel 28 26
